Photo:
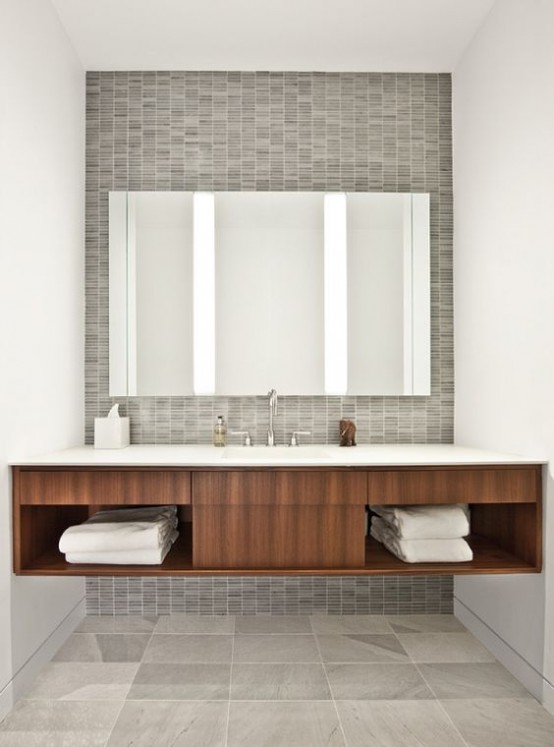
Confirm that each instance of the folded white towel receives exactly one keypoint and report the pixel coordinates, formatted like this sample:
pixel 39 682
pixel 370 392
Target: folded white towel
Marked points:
pixel 421 550
pixel 129 530
pixel 151 556
pixel 426 522
pixel 136 513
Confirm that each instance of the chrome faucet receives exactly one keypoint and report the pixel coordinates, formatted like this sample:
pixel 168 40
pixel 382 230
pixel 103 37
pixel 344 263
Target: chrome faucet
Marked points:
pixel 272 402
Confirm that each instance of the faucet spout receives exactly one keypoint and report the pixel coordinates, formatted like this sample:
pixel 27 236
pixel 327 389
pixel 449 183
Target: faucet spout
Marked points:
pixel 272 404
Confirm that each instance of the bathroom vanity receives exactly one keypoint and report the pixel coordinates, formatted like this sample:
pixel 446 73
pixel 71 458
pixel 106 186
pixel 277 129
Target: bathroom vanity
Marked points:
pixel 287 510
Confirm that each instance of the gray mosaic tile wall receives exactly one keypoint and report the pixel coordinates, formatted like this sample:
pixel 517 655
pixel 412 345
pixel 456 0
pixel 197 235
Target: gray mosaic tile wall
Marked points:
pixel 270 595
pixel 271 131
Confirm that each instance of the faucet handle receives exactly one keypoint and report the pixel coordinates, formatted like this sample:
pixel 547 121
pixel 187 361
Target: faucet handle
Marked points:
pixel 246 434
pixel 294 439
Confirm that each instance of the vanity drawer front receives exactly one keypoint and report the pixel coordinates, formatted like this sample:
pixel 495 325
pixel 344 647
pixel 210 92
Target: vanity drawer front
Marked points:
pixel 464 485
pixel 275 488
pixel 103 487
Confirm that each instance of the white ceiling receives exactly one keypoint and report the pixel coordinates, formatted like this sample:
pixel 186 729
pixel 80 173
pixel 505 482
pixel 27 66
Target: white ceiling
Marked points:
pixel 322 35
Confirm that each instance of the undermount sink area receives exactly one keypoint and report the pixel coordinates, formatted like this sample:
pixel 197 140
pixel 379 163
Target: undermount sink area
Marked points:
pixel 272 453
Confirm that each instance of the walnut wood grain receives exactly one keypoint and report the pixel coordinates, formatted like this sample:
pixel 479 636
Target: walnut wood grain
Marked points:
pixel 503 484
pixel 279 488
pixel 100 486
pixel 278 521
pixel 513 527
pixel 278 537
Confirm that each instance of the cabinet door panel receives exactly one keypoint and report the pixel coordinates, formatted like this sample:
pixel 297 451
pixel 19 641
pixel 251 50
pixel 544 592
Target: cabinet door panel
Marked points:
pixel 467 485
pixel 105 487
pixel 266 537
pixel 279 488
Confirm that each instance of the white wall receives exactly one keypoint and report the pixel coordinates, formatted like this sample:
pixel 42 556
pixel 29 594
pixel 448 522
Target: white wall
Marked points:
pixel 504 294
pixel 41 298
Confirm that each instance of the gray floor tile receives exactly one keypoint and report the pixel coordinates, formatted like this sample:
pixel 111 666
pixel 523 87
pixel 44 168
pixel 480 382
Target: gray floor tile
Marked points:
pixel 276 648
pixel 345 624
pixel 189 648
pixel 471 681
pixel 103 647
pixel 510 723
pixel 280 624
pixel 83 681
pixel 425 624
pixel 307 724
pixel 201 724
pixel 181 682
pixel 279 682
pixel 195 624
pixel 361 648
pixel 54 723
pixel 406 723
pixel 377 682
pixel 117 624
pixel 444 647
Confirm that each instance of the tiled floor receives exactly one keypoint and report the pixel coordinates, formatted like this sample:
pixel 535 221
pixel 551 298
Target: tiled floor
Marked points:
pixel 360 681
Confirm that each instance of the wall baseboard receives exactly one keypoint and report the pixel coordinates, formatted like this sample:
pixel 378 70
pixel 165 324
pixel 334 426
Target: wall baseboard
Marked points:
pixel 506 655
pixel 22 680
pixel 548 697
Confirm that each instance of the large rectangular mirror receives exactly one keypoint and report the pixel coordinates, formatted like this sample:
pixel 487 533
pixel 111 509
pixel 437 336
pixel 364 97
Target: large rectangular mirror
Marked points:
pixel 235 293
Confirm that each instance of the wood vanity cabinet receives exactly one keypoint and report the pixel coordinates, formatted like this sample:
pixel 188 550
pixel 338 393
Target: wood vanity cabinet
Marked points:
pixel 287 520
pixel 279 519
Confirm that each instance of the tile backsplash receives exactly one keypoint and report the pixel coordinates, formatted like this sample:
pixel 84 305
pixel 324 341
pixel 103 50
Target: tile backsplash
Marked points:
pixel 271 131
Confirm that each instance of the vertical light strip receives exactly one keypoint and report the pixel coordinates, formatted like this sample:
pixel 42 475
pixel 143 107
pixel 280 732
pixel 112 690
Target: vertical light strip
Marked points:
pixel 204 293
pixel 132 360
pixel 407 295
pixel 335 298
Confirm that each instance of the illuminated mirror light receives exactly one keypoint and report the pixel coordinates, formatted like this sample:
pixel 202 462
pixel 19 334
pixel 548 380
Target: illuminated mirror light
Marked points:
pixel 204 292
pixel 335 294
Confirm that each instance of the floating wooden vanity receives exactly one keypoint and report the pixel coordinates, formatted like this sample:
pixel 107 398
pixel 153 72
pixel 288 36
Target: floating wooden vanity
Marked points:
pixel 295 518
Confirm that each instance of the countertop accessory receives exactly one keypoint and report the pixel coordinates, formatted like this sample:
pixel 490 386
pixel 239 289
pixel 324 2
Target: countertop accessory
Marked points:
pixel 246 434
pixel 347 433
pixel 220 431
pixel 112 432
pixel 295 434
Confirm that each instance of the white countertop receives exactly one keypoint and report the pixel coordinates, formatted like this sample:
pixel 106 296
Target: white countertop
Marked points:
pixel 394 455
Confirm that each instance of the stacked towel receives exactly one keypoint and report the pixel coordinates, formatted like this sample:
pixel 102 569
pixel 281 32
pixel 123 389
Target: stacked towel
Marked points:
pixel 423 534
pixel 135 536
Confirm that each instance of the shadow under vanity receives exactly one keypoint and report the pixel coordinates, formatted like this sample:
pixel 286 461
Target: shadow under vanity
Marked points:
pixel 301 518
